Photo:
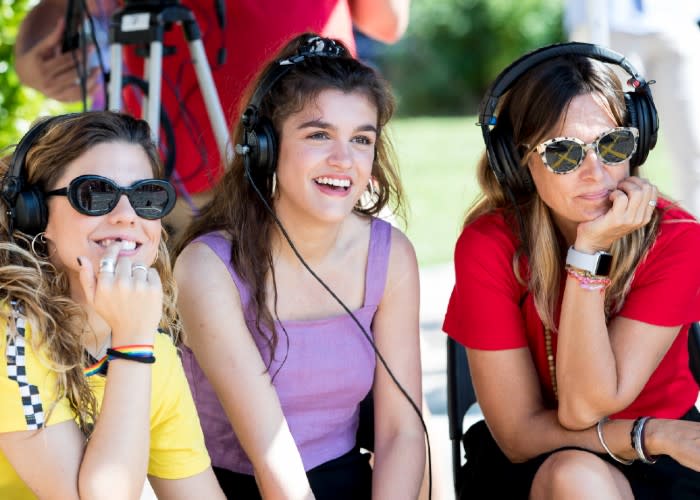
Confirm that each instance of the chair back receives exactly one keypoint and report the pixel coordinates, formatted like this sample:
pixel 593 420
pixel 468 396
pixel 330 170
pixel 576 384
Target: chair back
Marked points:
pixel 694 350
pixel 460 396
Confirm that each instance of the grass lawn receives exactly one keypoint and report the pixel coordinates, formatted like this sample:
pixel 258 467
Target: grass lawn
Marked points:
pixel 437 158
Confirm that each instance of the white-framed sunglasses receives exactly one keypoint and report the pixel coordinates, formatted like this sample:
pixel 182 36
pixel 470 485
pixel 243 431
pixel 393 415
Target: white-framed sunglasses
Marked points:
pixel 562 155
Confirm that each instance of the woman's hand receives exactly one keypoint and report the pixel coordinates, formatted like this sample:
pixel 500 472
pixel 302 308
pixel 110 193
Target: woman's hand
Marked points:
pixel 633 204
pixel 680 439
pixel 129 299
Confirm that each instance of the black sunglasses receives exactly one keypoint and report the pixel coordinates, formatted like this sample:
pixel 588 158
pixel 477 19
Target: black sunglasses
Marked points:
pixel 96 195
pixel 562 155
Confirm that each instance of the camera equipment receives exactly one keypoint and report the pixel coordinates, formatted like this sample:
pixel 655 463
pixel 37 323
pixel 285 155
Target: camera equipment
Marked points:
pixel 72 33
pixel 144 23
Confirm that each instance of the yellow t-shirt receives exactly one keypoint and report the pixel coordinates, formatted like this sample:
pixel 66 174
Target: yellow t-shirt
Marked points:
pixel 27 393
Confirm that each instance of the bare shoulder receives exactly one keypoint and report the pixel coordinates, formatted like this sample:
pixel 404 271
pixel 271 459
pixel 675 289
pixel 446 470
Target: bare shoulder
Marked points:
pixel 402 252
pixel 198 265
pixel 403 264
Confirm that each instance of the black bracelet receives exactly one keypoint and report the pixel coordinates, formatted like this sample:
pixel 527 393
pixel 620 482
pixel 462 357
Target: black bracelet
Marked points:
pixel 638 440
pixel 634 427
pixel 112 354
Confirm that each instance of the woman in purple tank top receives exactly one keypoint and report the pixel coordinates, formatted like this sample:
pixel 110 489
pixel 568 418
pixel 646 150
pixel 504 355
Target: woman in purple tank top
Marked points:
pixel 277 366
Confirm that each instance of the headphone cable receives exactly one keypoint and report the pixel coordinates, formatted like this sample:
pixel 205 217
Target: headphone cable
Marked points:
pixel 246 161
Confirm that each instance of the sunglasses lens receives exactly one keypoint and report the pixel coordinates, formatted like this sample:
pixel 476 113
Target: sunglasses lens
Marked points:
pixel 150 200
pixel 95 196
pixel 563 155
pixel 616 146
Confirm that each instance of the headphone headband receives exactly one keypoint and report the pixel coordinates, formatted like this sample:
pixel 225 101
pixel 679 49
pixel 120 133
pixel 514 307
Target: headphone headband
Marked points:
pixel 503 156
pixel 315 46
pixel 505 80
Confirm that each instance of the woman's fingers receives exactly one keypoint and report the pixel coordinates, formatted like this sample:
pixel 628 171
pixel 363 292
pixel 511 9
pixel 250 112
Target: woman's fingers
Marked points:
pixel 639 193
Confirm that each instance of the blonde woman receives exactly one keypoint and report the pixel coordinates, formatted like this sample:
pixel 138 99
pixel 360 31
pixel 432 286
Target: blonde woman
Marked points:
pixel 93 397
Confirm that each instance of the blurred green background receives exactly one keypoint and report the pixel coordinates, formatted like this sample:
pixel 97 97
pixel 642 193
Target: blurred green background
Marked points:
pixel 440 68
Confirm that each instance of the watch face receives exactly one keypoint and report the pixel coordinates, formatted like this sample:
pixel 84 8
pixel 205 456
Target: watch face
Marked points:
pixel 604 264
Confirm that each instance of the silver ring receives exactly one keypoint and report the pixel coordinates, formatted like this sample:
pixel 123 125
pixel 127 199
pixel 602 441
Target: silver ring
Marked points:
pixel 138 266
pixel 107 265
pixel 652 203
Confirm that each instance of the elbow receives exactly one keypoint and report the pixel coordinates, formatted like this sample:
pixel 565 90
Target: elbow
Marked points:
pixel 576 417
pixel 516 446
pixel 516 452
pixel 106 486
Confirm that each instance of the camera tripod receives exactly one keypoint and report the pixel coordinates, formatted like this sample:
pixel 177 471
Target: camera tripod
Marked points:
pixel 144 23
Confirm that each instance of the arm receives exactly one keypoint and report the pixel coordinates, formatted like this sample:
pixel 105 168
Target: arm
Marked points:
pixel 399 440
pixel 202 485
pixel 212 315
pixel 383 20
pixel 618 358
pixel 520 422
pixel 56 462
pixel 38 59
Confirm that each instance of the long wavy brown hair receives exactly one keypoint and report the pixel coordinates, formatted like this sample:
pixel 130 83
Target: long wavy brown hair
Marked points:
pixel 532 108
pixel 236 208
pixel 40 290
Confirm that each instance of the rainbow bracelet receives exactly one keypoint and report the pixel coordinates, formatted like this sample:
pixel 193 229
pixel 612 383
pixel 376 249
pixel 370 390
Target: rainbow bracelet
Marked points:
pixel 141 353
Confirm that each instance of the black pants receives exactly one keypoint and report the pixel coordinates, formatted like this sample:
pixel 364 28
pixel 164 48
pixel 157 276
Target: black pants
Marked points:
pixel 348 477
pixel 489 474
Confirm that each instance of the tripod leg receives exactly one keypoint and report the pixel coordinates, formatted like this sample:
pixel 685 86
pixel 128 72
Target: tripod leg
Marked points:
pixel 211 99
pixel 155 76
pixel 115 78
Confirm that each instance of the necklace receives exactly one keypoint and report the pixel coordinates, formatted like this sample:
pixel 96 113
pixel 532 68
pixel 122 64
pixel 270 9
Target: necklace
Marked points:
pixel 550 361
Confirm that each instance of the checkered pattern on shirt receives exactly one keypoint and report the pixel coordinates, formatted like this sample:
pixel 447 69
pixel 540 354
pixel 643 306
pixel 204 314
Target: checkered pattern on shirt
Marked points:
pixel 17 371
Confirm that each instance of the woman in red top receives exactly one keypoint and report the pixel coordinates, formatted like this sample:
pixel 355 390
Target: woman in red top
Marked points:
pixel 575 287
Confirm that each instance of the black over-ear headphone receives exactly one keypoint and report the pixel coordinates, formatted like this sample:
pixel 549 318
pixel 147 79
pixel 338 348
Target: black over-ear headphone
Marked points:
pixel 259 138
pixel 500 149
pixel 26 207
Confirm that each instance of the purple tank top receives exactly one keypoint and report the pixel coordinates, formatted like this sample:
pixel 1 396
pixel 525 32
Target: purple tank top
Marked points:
pixel 328 370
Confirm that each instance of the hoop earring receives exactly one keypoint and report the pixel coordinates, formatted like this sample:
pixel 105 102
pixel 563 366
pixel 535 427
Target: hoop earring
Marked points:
pixel 42 240
pixel 273 190
pixel 372 191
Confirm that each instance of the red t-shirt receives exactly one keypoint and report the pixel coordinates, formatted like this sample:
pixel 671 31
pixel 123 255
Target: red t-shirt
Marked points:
pixel 254 32
pixel 490 310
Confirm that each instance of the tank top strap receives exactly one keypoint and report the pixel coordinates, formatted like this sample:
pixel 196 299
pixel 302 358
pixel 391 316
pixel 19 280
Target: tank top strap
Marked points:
pixel 221 246
pixel 377 261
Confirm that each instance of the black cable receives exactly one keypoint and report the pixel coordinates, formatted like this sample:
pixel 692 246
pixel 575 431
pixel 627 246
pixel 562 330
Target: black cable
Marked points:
pixel 246 166
pixel 81 70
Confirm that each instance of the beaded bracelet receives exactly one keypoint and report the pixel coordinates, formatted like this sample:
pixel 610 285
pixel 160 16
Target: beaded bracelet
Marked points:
pixel 141 353
pixel 588 281
pixel 637 436
pixel 599 428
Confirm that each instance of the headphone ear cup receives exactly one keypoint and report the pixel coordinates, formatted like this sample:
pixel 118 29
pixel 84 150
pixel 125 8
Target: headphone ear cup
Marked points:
pixel 262 141
pixel 30 212
pixel 642 115
pixel 517 178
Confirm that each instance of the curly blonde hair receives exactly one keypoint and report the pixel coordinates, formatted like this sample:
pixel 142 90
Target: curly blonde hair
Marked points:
pixel 40 290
